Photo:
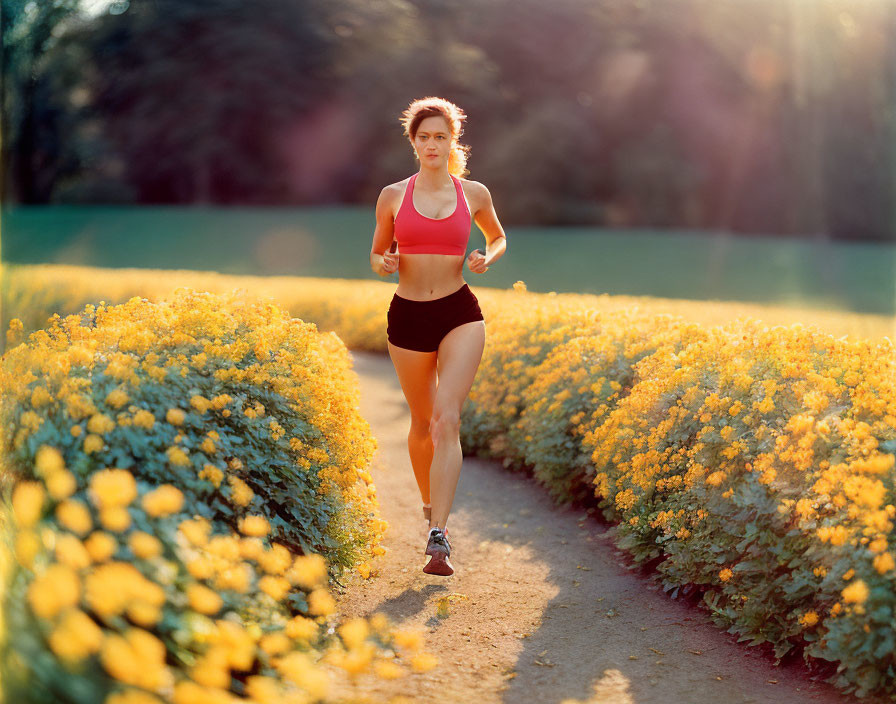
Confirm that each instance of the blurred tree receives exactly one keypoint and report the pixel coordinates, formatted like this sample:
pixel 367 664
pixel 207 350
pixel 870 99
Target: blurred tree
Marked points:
pixel 766 117
pixel 192 92
pixel 30 126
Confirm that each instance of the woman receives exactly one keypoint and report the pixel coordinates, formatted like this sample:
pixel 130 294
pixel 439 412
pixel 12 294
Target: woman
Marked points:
pixel 436 331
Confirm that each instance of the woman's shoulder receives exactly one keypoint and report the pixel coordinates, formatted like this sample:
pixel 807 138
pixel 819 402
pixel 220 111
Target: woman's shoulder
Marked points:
pixel 474 190
pixel 394 191
pixel 398 188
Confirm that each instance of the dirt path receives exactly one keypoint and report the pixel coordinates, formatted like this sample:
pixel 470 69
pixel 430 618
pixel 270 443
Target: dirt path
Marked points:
pixel 551 610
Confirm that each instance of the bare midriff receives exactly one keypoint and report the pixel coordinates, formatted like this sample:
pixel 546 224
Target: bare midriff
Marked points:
pixel 423 277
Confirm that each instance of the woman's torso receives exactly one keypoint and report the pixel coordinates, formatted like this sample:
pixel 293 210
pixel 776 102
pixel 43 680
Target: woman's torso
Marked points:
pixel 425 276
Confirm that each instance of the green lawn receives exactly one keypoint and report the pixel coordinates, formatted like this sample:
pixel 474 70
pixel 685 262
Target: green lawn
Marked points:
pixel 335 242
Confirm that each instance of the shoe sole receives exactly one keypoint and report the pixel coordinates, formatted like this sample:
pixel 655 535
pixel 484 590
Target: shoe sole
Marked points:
pixel 439 564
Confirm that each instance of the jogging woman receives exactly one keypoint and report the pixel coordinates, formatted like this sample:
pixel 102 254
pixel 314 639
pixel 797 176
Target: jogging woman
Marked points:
pixel 435 329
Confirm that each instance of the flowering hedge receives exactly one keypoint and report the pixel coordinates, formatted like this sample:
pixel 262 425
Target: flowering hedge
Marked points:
pixel 749 463
pixel 181 481
pixel 754 464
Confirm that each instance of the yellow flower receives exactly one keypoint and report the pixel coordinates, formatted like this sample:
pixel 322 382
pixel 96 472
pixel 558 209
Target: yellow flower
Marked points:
pixel 27 503
pixel 276 587
pixel 163 501
pixel 236 578
pixel 100 423
pixel 422 662
pixel 256 526
pixel 200 567
pixel 388 670
pixel 204 600
pixel 112 487
pixel 196 530
pixel 884 562
pixel 212 473
pixel 74 515
pixel 71 551
pixel 878 545
pixel 175 416
pixel 178 457
pixel 115 518
pixel 144 419
pixel 409 639
pixel 242 492
pixel 274 643
pixel 353 632
pixel 218 402
pixel 857 592
pixel 117 398
pixel 27 546
pixel 379 622
pixel 200 403
pixel 56 589
pixel 101 546
pixel 137 658
pixel 297 667
pixel 810 618
pixel 725 574
pixel 716 478
pixel 48 460
pixel 61 484
pixel 111 588
pixel 251 548
pixel 137 696
pixel 76 636
pixel 308 571
pixel 144 613
pixel 144 545
pixel 321 603
pixel 211 670
pixel 263 689
pixel 301 628
pixel 238 643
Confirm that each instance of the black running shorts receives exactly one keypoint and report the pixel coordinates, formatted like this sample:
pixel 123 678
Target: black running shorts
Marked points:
pixel 421 325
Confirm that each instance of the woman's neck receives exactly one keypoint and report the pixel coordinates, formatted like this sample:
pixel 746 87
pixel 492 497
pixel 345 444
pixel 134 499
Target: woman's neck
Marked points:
pixel 434 178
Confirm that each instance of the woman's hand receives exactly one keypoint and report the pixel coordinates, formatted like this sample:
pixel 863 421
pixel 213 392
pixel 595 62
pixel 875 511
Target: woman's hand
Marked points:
pixel 476 262
pixel 390 262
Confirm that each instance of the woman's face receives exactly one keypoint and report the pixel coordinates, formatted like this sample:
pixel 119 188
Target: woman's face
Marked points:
pixel 433 141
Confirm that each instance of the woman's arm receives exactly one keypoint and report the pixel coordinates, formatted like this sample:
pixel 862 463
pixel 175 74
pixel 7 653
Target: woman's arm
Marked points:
pixel 383 234
pixel 486 219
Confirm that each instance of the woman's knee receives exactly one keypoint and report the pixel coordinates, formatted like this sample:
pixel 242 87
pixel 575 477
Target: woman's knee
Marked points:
pixel 446 423
pixel 420 425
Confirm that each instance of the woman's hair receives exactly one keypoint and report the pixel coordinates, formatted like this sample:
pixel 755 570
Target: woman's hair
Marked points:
pixel 432 106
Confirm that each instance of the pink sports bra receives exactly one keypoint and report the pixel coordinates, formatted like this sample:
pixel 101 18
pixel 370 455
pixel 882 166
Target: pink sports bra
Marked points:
pixel 418 234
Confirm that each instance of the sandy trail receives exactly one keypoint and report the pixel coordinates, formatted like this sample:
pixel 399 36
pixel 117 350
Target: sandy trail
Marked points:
pixel 551 610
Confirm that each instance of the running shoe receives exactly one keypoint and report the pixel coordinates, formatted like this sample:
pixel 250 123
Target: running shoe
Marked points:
pixel 439 548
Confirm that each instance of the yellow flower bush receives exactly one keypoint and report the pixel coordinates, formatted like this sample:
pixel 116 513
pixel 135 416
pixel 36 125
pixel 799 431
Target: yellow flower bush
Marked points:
pixel 155 566
pixel 750 462
pixel 753 466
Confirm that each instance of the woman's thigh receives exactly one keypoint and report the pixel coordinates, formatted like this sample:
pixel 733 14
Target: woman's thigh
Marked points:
pixel 459 354
pixel 417 376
